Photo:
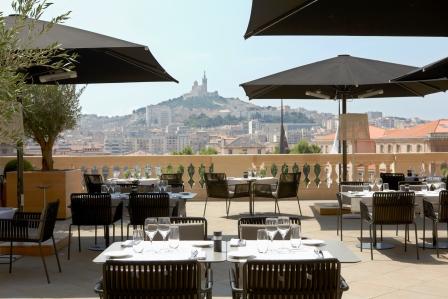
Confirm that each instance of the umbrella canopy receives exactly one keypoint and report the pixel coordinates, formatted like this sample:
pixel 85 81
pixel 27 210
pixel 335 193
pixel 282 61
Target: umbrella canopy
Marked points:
pixel 100 58
pixel 429 74
pixel 348 17
pixel 340 77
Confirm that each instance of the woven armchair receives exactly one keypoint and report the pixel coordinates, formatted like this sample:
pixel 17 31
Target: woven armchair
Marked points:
pixel 174 180
pixel 393 179
pixel 436 217
pixel 287 187
pixel 217 187
pixel 28 227
pixel 93 182
pixel 153 280
pixel 343 204
pixel 248 226
pixel 94 209
pixel 290 279
pixel 390 208
pixel 144 205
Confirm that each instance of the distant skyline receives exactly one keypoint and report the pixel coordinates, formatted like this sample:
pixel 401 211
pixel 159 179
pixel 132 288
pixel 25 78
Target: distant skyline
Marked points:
pixel 188 37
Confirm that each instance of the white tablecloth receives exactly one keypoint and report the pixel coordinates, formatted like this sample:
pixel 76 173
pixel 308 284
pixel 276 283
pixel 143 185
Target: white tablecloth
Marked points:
pixel 144 181
pixel 260 180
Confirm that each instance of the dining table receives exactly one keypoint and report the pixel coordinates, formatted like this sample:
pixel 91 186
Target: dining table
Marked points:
pixel 232 181
pixel 130 181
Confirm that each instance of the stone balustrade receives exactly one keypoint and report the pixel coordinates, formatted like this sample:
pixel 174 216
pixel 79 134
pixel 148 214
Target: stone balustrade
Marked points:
pixel 319 171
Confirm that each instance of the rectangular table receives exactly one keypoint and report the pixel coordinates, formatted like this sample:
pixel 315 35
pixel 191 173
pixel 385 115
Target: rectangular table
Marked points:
pixel 181 253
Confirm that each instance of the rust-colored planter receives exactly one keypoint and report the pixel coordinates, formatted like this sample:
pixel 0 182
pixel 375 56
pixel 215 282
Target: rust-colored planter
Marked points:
pixel 61 184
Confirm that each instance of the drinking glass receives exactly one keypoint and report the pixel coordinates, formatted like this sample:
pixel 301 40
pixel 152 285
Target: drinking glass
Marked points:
pixel 385 186
pixel 173 237
pixel 424 188
pixel 379 183
pixel 295 236
pixel 151 228
pixel 365 187
pixel 271 228
pixel 137 241
pixel 283 226
pixel 163 227
pixel 262 240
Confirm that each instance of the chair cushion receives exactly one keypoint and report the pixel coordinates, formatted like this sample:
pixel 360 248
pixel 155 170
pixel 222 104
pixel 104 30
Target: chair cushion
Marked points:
pixel 249 232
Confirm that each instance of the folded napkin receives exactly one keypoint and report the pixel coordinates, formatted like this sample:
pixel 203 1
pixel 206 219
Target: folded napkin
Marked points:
pixel 237 242
pixel 127 243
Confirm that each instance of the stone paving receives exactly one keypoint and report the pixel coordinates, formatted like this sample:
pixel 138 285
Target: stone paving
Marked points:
pixel 392 274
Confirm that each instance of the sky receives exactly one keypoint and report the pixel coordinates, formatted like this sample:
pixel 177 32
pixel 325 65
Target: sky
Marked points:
pixel 190 37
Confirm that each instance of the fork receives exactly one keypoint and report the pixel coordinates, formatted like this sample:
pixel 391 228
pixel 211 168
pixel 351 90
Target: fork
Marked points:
pixel 319 253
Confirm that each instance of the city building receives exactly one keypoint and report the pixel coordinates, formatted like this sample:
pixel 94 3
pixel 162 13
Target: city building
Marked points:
pixel 246 144
pixel 158 116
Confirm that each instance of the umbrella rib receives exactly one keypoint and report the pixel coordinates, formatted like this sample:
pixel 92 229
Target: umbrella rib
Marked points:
pixel 410 89
pixel 264 91
pixel 279 19
pixel 139 64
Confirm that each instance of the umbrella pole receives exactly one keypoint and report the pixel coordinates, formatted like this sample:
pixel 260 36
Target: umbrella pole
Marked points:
pixel 344 142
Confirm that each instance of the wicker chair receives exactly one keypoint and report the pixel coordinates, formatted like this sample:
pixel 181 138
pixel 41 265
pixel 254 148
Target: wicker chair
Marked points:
pixel 93 182
pixel 174 180
pixel 441 216
pixel 31 227
pixel 345 187
pixel 191 220
pixel 392 179
pixel 92 210
pixel 144 205
pixel 152 280
pixel 253 223
pixel 287 187
pixel 217 187
pixel 319 279
pixel 390 208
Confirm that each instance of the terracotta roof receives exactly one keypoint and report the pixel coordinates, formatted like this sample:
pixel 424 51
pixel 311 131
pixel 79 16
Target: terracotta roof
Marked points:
pixel 419 131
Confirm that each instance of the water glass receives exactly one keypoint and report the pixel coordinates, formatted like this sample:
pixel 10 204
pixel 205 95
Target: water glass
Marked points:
pixel 365 187
pixel 173 237
pixel 386 187
pixel 137 241
pixel 296 236
pixel 424 188
pixel 262 240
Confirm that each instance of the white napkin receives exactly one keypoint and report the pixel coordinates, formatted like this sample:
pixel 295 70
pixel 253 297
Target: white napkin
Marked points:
pixel 127 243
pixel 234 242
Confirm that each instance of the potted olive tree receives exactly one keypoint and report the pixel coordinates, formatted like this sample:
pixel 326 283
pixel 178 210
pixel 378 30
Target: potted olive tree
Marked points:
pixel 49 110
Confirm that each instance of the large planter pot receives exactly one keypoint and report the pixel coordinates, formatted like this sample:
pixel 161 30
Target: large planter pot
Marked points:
pixel 61 183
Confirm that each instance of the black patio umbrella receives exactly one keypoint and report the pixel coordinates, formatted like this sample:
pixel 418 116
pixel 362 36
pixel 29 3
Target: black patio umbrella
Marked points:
pixel 430 74
pixel 100 58
pixel 342 77
pixel 349 17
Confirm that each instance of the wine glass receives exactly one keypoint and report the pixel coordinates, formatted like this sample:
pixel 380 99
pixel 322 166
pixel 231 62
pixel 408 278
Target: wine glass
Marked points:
pixel 372 183
pixel 163 227
pixel 262 240
pixel 137 241
pixel 173 237
pixel 151 228
pixel 379 183
pixel 271 228
pixel 283 226
pixel 295 236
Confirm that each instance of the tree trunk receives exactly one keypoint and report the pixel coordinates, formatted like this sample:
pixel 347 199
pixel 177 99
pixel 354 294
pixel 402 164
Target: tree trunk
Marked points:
pixel 47 156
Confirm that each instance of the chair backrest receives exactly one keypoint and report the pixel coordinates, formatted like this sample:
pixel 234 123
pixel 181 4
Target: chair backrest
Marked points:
pixel 411 183
pixel 91 208
pixel 288 185
pixel 350 186
pixel 292 279
pixel 393 207
pixel 172 178
pixel 248 226
pixel 216 185
pixel 443 206
pixel 191 221
pixel 157 279
pixel 93 182
pixel 48 221
pixel 144 205
pixel 392 178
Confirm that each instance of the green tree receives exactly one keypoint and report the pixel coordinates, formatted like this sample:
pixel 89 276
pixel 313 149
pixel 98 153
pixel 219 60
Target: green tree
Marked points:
pixel 185 151
pixel 208 151
pixel 303 147
pixel 15 54
pixel 49 110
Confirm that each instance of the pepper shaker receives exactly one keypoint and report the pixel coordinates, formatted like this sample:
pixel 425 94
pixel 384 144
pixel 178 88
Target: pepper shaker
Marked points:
pixel 217 241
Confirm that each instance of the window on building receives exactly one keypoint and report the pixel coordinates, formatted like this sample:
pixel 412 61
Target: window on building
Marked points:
pixel 382 148
pixel 397 148
pixel 389 148
pixel 419 148
pixel 230 152
pixel 409 148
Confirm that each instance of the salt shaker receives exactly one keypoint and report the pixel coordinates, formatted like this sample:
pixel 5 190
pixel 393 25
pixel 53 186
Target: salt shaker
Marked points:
pixel 217 241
